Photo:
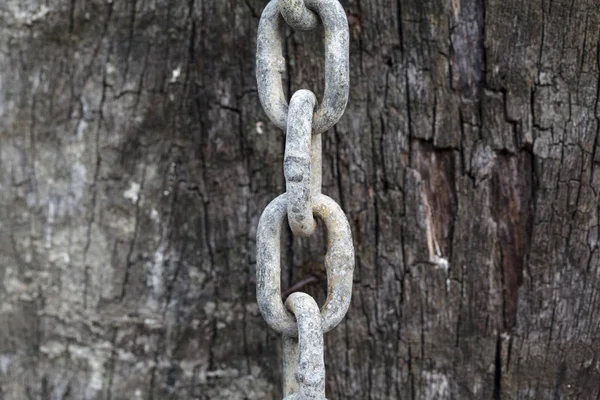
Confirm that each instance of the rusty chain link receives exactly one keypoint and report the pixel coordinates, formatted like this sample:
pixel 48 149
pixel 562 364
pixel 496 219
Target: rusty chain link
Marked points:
pixel 299 320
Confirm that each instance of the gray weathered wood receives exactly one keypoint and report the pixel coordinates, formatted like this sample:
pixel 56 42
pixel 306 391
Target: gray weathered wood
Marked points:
pixel 135 161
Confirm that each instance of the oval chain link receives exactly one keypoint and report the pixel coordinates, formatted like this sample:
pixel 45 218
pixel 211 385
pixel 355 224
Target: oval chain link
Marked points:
pixel 297 15
pixel 339 263
pixel 301 163
pixel 270 63
pixel 303 361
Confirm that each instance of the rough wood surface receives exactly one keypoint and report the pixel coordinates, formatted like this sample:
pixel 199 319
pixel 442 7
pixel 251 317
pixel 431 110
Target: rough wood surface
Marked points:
pixel 135 161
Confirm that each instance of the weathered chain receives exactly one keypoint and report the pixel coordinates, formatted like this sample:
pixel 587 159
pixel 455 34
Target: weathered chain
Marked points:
pixel 270 62
pixel 301 163
pixel 303 361
pixel 299 320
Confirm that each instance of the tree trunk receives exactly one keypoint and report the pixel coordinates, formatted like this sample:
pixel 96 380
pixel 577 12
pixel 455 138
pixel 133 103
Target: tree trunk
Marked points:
pixel 136 159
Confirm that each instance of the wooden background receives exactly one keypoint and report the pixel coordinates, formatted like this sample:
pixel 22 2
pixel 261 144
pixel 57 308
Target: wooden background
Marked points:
pixel 135 160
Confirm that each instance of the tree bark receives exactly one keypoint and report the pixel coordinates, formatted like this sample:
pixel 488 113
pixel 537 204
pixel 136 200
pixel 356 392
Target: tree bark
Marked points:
pixel 135 161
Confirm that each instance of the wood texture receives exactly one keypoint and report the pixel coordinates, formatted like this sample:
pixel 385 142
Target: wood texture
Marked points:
pixel 135 161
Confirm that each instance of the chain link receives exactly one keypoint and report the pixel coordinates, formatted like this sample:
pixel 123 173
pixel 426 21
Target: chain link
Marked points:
pixel 300 159
pixel 299 320
pixel 304 365
pixel 339 263
pixel 297 15
pixel 270 63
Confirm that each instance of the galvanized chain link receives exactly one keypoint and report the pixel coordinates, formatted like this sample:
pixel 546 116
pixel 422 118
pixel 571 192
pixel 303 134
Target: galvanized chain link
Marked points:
pixel 299 320
pixel 339 264
pixel 270 63
pixel 301 163
pixel 297 15
pixel 303 361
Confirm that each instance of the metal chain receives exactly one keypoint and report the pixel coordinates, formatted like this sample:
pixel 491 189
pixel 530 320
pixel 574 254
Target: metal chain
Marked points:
pixel 299 320
pixel 301 163
pixel 303 361
pixel 270 62
pixel 297 15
